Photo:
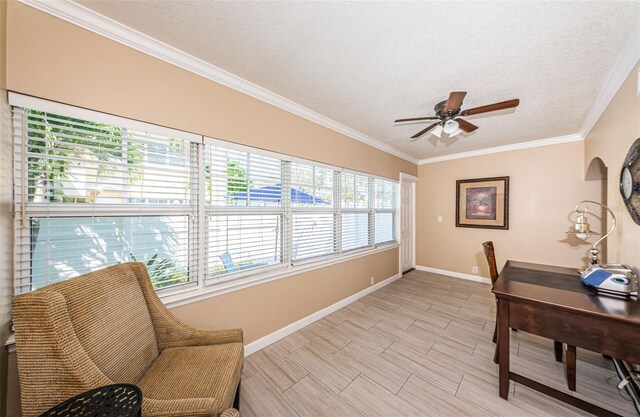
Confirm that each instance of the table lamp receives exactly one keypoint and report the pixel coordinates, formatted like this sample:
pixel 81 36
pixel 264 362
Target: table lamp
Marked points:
pixel 582 230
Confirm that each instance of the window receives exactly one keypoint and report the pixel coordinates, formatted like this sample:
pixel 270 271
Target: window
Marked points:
pixel 356 211
pixel 92 190
pixel 244 209
pixel 385 211
pixel 92 194
pixel 315 214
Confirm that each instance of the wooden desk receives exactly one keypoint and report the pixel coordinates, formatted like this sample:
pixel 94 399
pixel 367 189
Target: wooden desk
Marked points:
pixel 552 302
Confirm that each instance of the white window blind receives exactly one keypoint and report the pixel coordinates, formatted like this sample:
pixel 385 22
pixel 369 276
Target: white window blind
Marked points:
pixel 92 194
pixel 356 211
pixel 385 211
pixel 92 190
pixel 314 211
pixel 247 195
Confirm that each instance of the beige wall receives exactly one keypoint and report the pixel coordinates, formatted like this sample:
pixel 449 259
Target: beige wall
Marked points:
pixel 545 185
pixel 131 84
pixel 610 140
pixel 265 308
pixel 55 60
pixel 85 69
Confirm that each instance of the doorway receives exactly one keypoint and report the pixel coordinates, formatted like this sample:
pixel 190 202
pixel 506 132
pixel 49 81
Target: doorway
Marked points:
pixel 407 222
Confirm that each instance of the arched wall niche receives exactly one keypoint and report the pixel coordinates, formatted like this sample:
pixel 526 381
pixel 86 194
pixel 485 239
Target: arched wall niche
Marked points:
pixel 597 171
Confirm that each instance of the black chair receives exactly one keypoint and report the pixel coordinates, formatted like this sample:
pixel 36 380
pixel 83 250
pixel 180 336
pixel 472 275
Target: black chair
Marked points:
pixel 489 253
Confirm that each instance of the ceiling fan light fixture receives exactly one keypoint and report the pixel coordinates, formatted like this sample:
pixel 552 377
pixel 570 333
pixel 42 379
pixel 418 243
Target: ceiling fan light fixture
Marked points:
pixel 449 113
pixel 450 126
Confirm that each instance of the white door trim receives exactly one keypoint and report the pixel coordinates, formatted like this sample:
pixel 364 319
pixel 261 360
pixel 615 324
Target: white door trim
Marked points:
pixel 408 177
pixel 413 180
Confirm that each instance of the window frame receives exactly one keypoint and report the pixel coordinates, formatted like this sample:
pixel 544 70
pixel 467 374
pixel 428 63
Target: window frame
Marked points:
pixel 333 210
pixel 368 210
pixel 203 286
pixel 222 210
pixel 394 211
pixel 25 211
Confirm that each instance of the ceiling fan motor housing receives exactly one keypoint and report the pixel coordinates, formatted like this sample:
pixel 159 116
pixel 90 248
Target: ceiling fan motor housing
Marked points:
pixel 443 114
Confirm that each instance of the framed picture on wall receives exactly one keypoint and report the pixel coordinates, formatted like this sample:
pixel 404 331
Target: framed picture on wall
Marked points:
pixel 483 203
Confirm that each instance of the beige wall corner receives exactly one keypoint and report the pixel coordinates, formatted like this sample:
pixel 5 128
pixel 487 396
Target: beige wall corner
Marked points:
pixel 545 185
pixel 610 139
pixel 263 309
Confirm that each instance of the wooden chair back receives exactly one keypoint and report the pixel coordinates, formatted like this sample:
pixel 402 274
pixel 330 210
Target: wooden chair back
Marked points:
pixel 489 252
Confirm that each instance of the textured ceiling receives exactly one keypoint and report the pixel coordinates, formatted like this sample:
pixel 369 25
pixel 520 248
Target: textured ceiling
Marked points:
pixel 364 64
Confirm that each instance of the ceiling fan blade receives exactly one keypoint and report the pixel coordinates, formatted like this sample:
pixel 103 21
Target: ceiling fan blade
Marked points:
pixel 491 107
pixel 466 126
pixel 423 131
pixel 416 118
pixel 455 100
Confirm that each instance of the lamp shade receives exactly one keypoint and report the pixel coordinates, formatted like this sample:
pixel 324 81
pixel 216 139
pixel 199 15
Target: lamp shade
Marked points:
pixel 450 126
pixel 582 230
pixel 581 227
pixel 437 131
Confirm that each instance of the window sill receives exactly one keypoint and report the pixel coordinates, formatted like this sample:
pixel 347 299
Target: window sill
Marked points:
pixel 212 288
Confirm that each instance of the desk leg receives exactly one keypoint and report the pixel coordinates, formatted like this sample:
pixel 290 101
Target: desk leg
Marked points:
pixel 503 346
pixel 557 348
pixel 571 367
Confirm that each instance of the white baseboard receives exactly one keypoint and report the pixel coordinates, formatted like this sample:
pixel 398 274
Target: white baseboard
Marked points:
pixel 304 322
pixel 460 275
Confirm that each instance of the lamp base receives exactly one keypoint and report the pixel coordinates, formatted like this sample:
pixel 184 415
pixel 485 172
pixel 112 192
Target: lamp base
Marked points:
pixel 593 256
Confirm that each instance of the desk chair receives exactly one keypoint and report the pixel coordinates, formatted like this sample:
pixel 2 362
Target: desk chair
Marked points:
pixel 489 253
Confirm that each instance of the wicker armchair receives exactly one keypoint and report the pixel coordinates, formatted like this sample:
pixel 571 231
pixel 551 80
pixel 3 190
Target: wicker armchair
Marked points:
pixel 108 327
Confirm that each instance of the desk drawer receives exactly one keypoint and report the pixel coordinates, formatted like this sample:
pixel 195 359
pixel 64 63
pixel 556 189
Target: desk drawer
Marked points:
pixel 602 335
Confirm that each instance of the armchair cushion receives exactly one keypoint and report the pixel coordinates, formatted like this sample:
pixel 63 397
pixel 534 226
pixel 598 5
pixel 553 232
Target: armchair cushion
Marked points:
pixel 196 372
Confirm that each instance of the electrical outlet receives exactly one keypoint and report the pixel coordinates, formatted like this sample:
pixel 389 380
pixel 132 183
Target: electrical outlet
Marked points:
pixel 439 219
pixel 373 280
pixel 474 269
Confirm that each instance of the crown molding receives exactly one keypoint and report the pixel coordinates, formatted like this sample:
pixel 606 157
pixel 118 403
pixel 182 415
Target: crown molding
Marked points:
pixel 505 148
pixel 625 63
pixel 102 25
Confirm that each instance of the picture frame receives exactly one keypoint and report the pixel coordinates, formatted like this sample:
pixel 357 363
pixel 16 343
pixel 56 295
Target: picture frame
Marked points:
pixel 483 203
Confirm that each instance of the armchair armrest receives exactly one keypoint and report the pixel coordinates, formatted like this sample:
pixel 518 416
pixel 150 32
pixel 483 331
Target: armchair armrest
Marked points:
pixel 230 412
pixel 50 356
pixel 184 407
pixel 171 332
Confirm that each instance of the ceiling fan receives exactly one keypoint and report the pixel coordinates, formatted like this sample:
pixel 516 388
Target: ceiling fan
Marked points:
pixel 449 113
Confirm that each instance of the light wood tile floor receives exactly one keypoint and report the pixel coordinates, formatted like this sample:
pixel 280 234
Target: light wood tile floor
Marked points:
pixel 420 346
